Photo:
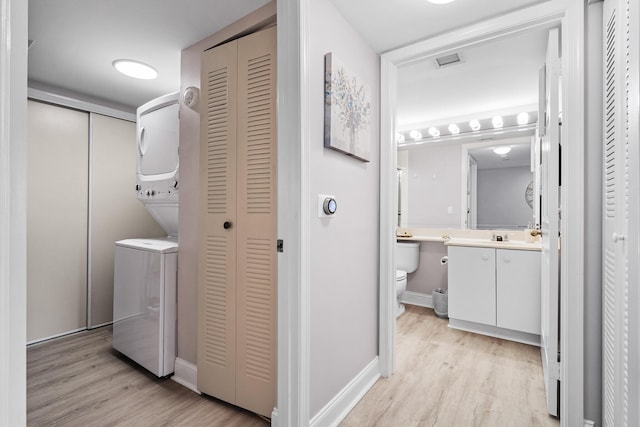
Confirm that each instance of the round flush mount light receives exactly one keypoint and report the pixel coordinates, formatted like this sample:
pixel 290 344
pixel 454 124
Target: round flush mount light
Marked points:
pixel 501 151
pixel 135 69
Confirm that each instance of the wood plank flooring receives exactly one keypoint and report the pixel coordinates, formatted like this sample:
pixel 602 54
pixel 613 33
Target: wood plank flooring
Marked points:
pixel 443 378
pixel 448 378
pixel 80 380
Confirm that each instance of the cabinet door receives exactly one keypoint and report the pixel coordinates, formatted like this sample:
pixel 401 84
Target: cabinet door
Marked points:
pixel 472 284
pixel 518 290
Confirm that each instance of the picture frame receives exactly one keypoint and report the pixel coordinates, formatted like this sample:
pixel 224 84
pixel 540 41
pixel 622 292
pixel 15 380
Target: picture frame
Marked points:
pixel 347 121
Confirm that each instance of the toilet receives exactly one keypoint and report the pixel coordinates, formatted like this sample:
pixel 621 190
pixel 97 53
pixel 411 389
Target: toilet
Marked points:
pixel 407 261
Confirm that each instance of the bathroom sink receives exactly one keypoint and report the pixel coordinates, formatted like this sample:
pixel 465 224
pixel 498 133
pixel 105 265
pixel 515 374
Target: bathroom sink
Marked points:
pixel 488 243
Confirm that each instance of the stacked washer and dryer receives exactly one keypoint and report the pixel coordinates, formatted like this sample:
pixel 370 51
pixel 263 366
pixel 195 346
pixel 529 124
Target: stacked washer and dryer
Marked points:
pixel 145 276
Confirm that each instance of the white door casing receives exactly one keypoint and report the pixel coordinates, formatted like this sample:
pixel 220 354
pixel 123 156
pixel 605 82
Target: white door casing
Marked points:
pixel 569 16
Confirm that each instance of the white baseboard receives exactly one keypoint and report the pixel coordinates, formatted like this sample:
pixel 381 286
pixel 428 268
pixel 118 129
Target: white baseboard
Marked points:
pixel 416 298
pixel 186 374
pixel 589 423
pixel 343 402
pixel 274 417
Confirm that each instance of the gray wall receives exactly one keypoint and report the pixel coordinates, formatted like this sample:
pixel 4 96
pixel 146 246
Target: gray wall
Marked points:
pixel 501 202
pixel 430 274
pixel 435 176
pixel 593 218
pixel 344 249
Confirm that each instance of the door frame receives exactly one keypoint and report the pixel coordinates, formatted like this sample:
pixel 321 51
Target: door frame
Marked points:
pixel 13 212
pixel 569 15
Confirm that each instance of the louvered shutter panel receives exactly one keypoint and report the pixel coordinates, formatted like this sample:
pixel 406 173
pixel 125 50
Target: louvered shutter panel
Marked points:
pixel 217 261
pixel 616 194
pixel 256 382
pixel 237 289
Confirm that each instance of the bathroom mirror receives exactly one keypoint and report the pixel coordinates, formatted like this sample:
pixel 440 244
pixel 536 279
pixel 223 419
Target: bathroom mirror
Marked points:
pixel 453 110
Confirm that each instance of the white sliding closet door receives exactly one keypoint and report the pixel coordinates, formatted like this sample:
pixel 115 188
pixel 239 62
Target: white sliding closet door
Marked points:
pixel 57 188
pixel 620 214
pixel 115 212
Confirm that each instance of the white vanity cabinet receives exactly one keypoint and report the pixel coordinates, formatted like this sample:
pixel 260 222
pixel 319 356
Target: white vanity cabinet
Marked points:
pixel 472 284
pixel 518 290
pixel 495 292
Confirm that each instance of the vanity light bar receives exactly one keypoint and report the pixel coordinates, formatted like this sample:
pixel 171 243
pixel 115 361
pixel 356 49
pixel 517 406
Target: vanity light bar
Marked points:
pixel 514 122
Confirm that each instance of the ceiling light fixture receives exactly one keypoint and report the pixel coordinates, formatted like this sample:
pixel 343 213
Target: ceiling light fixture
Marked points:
pixel 523 118
pixel 474 125
pixel 415 134
pixel 454 129
pixel 135 69
pixel 497 122
pixel 501 151
pixel 434 132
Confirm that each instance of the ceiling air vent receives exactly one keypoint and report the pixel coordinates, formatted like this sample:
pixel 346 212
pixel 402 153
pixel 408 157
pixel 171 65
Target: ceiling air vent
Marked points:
pixel 450 59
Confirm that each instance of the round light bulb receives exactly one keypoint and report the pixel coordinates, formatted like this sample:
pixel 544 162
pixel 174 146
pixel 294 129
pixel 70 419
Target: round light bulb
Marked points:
pixel 474 125
pixel 497 122
pixel 454 129
pixel 523 118
pixel 415 134
pixel 434 132
pixel 399 137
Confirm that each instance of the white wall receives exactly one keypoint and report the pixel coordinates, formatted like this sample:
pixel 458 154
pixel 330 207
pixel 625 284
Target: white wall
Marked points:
pixel 501 201
pixel 344 249
pixel 434 185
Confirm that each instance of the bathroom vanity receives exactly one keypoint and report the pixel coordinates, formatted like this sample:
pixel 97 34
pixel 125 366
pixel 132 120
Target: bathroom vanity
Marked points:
pixel 494 288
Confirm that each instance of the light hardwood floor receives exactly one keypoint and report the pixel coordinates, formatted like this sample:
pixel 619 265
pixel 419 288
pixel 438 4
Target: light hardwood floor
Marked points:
pixel 451 378
pixel 80 380
pixel 443 378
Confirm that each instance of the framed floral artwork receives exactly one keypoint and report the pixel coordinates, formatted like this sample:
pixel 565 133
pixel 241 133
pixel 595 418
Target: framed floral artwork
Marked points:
pixel 347 111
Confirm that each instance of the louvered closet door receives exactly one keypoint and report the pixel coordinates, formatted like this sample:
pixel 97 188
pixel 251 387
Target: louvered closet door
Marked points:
pixel 618 333
pixel 256 362
pixel 237 298
pixel 217 261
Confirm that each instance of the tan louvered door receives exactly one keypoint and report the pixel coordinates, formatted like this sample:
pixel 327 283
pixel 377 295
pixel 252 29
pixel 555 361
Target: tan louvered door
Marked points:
pixel 256 256
pixel 217 246
pixel 237 290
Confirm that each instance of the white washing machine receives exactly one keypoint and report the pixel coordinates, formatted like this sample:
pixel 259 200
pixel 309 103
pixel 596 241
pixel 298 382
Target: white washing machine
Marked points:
pixel 145 303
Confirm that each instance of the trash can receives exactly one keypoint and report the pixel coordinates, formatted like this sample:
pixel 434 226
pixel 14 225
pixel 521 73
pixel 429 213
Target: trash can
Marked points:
pixel 440 303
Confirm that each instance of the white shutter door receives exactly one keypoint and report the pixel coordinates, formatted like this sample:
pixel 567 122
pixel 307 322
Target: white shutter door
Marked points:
pixel 620 141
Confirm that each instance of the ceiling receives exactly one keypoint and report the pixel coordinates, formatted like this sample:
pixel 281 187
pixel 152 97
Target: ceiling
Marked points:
pixel 495 78
pixel 387 25
pixel 76 41
pixel 520 155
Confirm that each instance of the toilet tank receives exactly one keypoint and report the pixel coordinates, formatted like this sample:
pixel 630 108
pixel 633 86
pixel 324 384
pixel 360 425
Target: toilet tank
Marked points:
pixel 407 256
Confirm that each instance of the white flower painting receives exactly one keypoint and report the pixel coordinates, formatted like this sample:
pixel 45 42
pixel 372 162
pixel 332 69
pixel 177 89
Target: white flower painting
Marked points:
pixel 347 111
